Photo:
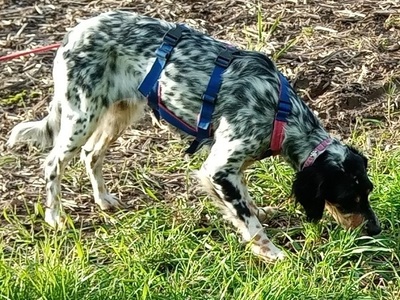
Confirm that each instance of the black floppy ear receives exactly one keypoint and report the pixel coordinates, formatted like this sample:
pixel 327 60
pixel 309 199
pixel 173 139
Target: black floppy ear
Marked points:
pixel 357 152
pixel 307 190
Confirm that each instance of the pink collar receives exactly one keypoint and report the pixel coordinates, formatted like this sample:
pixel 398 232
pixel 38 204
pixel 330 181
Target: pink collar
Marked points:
pixel 314 154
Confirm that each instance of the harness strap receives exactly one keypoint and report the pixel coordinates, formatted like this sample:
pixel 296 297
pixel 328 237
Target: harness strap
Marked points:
pixel 150 88
pixel 280 122
pixel 209 98
pixel 149 85
pixel 281 117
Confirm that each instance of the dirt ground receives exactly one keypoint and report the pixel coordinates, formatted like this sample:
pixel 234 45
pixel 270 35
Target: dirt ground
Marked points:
pixel 343 58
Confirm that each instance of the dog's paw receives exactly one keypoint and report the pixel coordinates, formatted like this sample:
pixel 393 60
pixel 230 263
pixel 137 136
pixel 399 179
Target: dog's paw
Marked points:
pixel 109 201
pixel 268 251
pixel 54 218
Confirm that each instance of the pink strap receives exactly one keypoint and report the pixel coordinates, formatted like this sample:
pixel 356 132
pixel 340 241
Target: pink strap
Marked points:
pixel 281 116
pixel 277 136
pixel 29 51
pixel 321 147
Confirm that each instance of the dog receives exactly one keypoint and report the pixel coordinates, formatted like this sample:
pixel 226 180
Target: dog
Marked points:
pixel 97 72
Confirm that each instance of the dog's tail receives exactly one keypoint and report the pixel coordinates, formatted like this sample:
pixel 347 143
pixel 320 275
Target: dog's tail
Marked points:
pixel 40 133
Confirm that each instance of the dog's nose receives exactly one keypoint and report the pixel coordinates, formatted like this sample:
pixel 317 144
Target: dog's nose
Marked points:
pixel 373 229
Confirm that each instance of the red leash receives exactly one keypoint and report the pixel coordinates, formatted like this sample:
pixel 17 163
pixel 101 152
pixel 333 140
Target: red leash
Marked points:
pixel 26 52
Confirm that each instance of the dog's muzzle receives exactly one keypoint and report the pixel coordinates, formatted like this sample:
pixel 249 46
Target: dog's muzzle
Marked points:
pixel 368 218
pixel 372 226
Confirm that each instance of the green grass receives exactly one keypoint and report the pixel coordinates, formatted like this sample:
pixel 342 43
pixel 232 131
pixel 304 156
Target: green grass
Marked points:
pixel 166 251
pixel 20 98
pixel 17 99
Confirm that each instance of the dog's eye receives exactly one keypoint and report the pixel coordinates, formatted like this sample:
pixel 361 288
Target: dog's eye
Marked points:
pixel 356 179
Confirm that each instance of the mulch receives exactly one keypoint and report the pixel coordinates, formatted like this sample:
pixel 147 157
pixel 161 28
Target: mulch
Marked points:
pixel 343 57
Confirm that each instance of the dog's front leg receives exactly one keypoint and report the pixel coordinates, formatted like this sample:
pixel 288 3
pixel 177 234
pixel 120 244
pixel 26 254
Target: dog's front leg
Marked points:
pixel 223 178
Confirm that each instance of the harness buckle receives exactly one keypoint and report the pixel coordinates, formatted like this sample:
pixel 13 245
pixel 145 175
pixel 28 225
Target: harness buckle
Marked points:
pixel 172 36
pixel 284 104
pixel 164 52
pixel 224 59
pixel 208 98
pixel 282 116
pixel 284 110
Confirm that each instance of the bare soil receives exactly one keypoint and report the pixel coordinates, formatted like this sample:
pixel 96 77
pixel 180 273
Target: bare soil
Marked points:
pixel 344 59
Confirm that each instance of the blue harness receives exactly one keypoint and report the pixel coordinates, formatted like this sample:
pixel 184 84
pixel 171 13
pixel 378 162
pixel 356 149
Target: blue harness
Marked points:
pixel 281 116
pixel 150 88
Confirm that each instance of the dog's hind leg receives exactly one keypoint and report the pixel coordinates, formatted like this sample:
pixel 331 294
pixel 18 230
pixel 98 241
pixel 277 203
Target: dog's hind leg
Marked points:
pixel 75 128
pixel 117 118
pixel 222 176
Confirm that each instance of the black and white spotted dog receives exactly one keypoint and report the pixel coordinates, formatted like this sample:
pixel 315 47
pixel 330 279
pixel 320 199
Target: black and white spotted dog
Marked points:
pixel 97 72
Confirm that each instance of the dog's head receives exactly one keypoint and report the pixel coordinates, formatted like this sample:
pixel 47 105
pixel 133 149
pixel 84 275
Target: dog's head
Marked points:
pixel 340 183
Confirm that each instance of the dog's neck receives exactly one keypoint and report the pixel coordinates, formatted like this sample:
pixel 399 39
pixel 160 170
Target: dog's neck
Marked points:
pixel 297 148
pixel 303 133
